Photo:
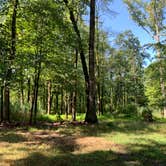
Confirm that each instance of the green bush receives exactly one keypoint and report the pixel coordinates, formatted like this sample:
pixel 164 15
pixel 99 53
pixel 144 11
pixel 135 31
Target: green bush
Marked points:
pixel 147 114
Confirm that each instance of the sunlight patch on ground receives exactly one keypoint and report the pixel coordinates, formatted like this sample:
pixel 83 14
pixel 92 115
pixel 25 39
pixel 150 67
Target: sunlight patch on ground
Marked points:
pixel 90 144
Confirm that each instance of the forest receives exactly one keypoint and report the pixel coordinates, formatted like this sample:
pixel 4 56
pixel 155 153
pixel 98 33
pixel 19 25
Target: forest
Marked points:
pixel 73 93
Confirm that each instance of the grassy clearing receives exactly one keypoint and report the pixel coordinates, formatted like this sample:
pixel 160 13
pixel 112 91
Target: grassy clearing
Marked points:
pixel 114 141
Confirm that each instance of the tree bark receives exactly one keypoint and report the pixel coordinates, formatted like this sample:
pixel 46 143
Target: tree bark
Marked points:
pixel 62 102
pixel 56 103
pixel 98 67
pixel 74 97
pixel 90 83
pixel 36 91
pixel 33 110
pixel 80 48
pixel 162 83
pixel 48 97
pixel 11 58
pixel 91 103
pixel 66 105
pixel 21 95
pixel 29 90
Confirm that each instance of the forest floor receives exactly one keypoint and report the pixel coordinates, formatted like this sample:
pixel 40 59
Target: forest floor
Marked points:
pixel 112 142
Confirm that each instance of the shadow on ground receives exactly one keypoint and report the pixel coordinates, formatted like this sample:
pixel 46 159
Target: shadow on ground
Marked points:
pixel 148 155
pixel 136 127
pixel 12 138
pixel 64 149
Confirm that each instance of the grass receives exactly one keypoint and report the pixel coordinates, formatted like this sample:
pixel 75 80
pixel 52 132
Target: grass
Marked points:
pixel 114 141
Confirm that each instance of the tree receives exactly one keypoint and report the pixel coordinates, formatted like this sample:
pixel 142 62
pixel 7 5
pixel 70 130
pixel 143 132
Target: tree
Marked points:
pixel 91 103
pixel 152 84
pixel 89 76
pixel 150 16
pixel 9 61
pixel 126 72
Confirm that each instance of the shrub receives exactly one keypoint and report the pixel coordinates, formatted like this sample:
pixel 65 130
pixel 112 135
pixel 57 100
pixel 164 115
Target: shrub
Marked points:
pixel 147 114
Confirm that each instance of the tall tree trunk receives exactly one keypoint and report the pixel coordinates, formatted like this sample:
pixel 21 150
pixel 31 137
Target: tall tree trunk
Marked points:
pixel 48 96
pixel 162 83
pixel 70 102
pixel 102 99
pixel 98 66
pixel 91 103
pixel 29 90
pixel 74 104
pixel 80 48
pixel 62 102
pixel 33 110
pixel 11 58
pixel 44 97
pixel 74 97
pixel 56 103
pixel 66 105
pixel 36 91
pixel 21 95
pixel 90 83
pixel 32 107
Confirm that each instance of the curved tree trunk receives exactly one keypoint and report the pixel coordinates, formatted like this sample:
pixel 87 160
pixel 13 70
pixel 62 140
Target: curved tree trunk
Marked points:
pixel 90 82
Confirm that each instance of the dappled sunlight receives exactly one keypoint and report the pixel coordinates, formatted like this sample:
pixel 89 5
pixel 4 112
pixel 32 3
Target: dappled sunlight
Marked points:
pixel 110 143
pixel 140 157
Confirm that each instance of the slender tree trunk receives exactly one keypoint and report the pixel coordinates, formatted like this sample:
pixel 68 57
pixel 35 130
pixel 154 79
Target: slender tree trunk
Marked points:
pixel 48 97
pixel 98 66
pixel 74 104
pixel 102 99
pixel 91 103
pixel 70 102
pixel 51 101
pixel 80 48
pixel 90 83
pixel 56 103
pixel 44 97
pixel 36 91
pixel 33 110
pixel 66 105
pixel 29 90
pixel 74 96
pixel 62 102
pixel 21 95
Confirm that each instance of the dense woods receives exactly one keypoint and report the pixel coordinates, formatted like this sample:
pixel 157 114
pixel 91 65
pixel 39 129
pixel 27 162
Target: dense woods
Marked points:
pixel 54 62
